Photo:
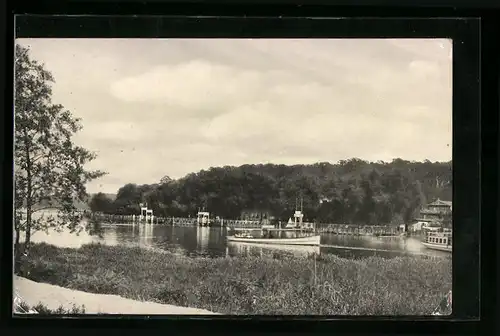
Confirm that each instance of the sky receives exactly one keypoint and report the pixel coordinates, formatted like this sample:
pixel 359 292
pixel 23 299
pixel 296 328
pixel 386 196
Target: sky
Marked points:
pixel 156 107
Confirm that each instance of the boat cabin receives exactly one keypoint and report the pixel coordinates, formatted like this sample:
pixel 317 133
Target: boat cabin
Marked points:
pixel 256 215
pixel 244 234
pixel 439 238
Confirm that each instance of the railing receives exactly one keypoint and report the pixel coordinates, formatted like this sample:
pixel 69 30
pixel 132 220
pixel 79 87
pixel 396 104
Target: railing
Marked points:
pixel 439 234
pixel 347 229
pixel 242 223
pixel 351 229
pixel 179 221
pixel 436 211
pixel 123 219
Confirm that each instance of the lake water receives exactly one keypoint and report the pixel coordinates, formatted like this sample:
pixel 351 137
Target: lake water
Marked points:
pixel 211 242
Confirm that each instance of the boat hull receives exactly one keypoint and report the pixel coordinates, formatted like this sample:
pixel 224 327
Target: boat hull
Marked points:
pixel 445 248
pixel 311 241
pixel 296 249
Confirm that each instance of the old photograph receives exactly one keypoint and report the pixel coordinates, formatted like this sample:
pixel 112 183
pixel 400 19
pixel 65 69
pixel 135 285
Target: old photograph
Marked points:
pixel 233 176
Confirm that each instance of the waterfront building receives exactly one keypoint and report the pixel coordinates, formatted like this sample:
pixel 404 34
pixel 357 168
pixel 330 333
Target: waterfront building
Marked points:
pixel 50 208
pixel 434 216
pixel 324 200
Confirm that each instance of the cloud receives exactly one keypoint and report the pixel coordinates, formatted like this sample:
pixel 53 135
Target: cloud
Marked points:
pixel 426 49
pixel 191 85
pixel 186 105
pixel 424 70
pixel 202 87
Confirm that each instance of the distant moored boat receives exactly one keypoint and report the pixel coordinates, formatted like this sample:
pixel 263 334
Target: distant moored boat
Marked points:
pixel 441 241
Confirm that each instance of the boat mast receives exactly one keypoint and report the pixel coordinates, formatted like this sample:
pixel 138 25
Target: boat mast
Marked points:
pixel 295 214
pixel 301 209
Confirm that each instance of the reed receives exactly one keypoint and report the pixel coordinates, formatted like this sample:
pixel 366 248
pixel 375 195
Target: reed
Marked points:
pixel 248 285
pixel 42 309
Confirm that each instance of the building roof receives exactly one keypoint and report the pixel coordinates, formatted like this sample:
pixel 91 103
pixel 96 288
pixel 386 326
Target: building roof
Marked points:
pixel 256 211
pixel 439 202
pixel 424 220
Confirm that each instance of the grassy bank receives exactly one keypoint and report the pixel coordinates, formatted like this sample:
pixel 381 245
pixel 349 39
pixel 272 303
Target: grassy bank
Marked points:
pixel 248 285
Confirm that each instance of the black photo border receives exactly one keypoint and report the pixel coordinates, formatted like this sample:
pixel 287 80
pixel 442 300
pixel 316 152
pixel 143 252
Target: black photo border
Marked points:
pixel 465 33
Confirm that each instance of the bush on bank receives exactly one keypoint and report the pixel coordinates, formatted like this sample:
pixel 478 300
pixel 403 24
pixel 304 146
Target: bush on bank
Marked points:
pixel 42 309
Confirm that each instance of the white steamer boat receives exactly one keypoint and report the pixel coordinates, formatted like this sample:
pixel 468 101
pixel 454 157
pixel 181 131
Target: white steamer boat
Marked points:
pixel 247 238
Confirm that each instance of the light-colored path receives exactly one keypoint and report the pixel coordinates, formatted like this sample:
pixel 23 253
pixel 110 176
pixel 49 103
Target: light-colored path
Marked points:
pixel 54 296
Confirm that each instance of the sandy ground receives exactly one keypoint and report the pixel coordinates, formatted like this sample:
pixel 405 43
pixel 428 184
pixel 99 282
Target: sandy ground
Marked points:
pixel 54 296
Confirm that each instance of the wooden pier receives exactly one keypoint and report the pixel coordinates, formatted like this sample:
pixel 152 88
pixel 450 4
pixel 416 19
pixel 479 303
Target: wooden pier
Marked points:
pixel 246 224
pixel 177 221
pixel 359 230
pixel 339 229
pixel 123 219
pixel 131 219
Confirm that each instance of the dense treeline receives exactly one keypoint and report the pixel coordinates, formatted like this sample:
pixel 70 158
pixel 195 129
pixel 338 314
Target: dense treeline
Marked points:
pixel 351 191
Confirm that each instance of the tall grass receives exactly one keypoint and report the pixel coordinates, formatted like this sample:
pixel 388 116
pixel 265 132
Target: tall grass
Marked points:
pixel 248 285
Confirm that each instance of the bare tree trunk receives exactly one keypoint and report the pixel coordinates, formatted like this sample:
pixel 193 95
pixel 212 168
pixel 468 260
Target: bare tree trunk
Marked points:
pixel 29 199
pixel 28 227
pixel 16 248
pixel 16 242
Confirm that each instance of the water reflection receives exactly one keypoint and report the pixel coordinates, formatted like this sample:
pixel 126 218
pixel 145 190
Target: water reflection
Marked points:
pixel 411 245
pixel 62 239
pixel 145 235
pixel 402 244
pixel 112 238
pixel 203 235
pixel 239 248
pixel 211 241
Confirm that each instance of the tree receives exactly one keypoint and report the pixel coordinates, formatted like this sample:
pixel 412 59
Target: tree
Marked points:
pixel 48 166
pixel 101 203
pixel 166 180
pixel 368 204
pixel 357 191
pixel 128 199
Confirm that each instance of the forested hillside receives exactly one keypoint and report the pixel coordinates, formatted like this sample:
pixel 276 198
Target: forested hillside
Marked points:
pixel 351 191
